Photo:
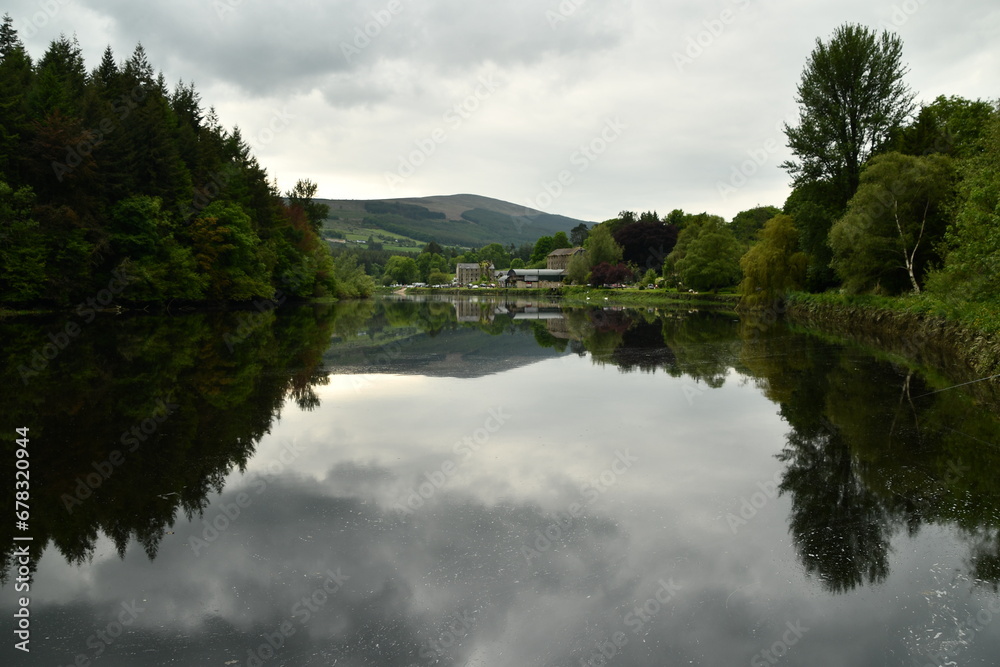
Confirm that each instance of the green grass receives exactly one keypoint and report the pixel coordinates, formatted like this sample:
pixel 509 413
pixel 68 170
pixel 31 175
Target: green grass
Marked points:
pixel 352 232
pixel 979 316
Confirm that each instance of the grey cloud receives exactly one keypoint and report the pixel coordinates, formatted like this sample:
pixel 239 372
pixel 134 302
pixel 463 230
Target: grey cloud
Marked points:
pixel 270 48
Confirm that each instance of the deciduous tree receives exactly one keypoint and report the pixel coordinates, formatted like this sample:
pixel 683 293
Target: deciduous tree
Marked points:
pixel 602 247
pixel 773 266
pixel 712 259
pixel 851 99
pixel 898 214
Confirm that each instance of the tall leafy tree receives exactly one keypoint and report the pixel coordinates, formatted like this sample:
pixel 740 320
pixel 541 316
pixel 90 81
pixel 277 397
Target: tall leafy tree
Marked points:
pixel 746 224
pixel 691 226
pixel 971 268
pixel 496 254
pixel 402 270
pixel 609 274
pixel 893 222
pixel 577 270
pixel 602 247
pixel 953 125
pixel 430 261
pixel 712 259
pixel 543 246
pixel 813 207
pixel 229 251
pixel 774 265
pixel 851 99
pixel 646 243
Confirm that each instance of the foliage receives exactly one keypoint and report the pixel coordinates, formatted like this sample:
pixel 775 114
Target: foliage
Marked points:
pixel 609 274
pixel 971 270
pixel 646 242
pixel 951 125
pixel 814 213
pixel 228 250
pixel 601 246
pixel 691 226
pixel 712 260
pixel 746 224
pixel 430 261
pixel 543 246
pixel 676 217
pixel 402 270
pixel 474 228
pixel 411 211
pixel 898 214
pixel 22 246
pixel 773 265
pixel 578 269
pixel 578 235
pixel 111 171
pixel 436 277
pixel 851 99
pixel 351 281
pixel 496 254
pixel 302 196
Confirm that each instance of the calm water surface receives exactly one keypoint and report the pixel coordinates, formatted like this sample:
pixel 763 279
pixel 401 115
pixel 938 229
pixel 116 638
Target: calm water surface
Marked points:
pixel 490 483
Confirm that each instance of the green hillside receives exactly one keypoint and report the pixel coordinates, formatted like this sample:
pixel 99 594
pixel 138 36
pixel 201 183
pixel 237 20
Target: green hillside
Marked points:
pixel 462 220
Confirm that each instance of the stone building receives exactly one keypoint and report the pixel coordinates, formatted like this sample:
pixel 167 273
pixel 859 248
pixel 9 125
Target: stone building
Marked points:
pixel 467 273
pixel 559 259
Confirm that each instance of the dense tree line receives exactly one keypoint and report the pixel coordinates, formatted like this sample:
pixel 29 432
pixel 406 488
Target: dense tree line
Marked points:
pixel 107 174
pixel 887 198
pixel 884 200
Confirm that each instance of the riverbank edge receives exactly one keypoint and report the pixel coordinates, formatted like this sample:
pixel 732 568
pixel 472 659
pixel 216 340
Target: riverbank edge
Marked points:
pixel 590 296
pixel 929 339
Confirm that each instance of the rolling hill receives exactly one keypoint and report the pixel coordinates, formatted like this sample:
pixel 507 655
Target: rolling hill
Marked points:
pixel 462 220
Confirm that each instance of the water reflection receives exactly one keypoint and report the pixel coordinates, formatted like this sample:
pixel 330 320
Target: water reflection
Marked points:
pixel 875 450
pixel 137 422
pixel 405 482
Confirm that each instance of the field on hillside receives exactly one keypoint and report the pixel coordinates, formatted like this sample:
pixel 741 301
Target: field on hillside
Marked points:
pixel 458 220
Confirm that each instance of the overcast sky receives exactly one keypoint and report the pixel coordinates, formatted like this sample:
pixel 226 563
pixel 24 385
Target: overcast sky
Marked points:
pixel 579 107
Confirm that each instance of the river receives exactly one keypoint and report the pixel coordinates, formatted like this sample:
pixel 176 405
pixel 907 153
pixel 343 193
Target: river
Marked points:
pixel 490 482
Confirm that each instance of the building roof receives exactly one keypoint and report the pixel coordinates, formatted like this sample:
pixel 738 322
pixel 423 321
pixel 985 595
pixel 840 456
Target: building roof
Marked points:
pixel 565 251
pixel 544 273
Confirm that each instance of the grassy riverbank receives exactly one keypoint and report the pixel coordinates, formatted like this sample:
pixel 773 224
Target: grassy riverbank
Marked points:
pixel 964 337
pixel 592 296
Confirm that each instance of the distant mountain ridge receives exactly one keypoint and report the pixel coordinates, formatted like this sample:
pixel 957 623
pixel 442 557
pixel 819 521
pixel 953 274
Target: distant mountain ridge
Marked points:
pixel 463 219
